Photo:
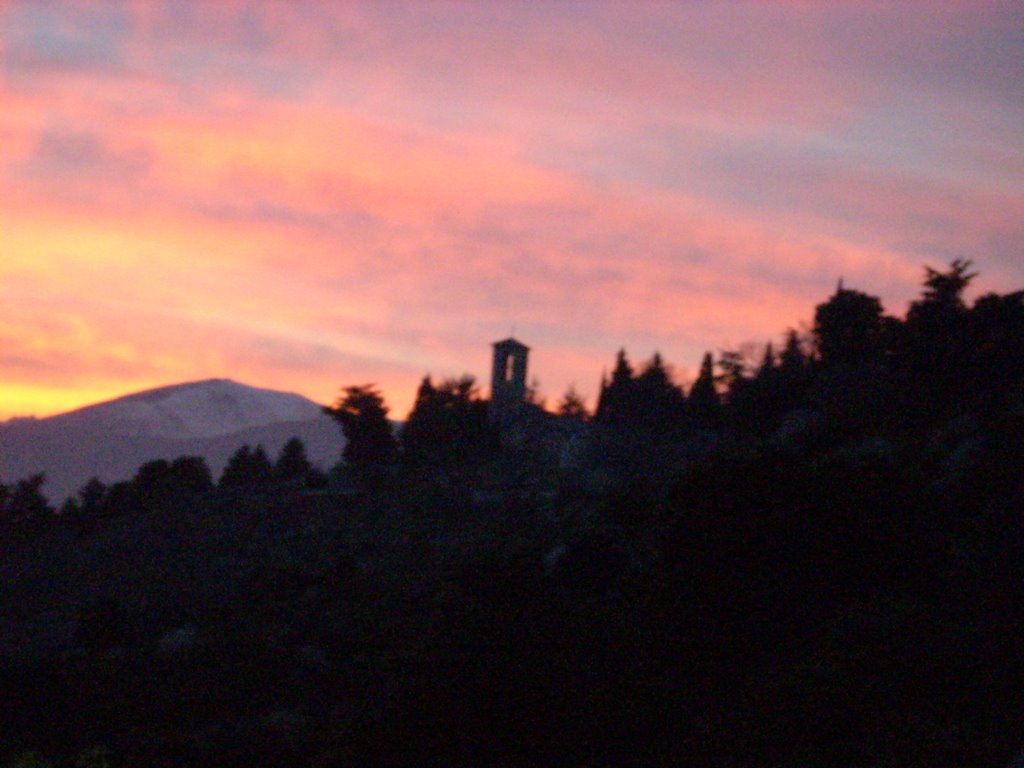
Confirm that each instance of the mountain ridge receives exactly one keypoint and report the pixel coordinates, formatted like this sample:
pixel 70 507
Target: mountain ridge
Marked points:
pixel 195 409
pixel 211 418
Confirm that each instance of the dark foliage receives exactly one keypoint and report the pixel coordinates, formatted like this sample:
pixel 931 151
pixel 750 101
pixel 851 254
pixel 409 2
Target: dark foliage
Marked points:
pixel 159 483
pixel 849 329
pixel 363 417
pixel 25 505
pixel 91 498
pixel 648 402
pixel 248 469
pixel 815 559
pixel 704 405
pixel 617 402
pixel 573 406
pixel 448 426
pixel 292 464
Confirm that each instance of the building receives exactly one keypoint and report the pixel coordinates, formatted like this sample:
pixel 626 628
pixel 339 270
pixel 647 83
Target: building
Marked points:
pixel 508 380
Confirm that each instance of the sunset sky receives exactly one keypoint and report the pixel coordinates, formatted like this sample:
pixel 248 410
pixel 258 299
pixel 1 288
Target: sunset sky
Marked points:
pixel 308 195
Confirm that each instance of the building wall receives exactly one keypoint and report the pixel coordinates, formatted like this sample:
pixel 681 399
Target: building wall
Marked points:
pixel 508 379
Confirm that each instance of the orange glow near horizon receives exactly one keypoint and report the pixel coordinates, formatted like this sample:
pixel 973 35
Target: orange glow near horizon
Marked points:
pixel 309 195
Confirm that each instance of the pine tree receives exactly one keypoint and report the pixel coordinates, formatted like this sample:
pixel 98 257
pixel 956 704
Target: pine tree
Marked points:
pixel 935 342
pixel 573 405
pixel 91 497
pixel 659 403
pixel 946 288
pixel 248 468
pixel 419 433
pixel 792 361
pixel 190 476
pixel 704 405
pixel 767 367
pixel 292 463
pixel 732 375
pixel 236 471
pixel 617 402
pixel 26 504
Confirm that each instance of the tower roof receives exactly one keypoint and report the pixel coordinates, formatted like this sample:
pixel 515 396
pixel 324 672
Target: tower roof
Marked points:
pixel 510 343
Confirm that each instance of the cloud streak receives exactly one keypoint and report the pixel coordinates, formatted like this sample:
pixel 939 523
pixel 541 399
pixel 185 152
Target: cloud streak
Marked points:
pixel 310 194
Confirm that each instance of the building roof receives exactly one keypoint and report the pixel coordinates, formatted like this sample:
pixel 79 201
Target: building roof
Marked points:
pixel 510 342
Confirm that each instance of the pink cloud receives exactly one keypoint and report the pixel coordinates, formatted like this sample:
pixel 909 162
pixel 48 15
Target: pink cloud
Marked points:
pixel 310 194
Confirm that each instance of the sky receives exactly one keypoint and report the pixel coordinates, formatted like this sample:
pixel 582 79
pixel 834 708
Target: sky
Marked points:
pixel 310 195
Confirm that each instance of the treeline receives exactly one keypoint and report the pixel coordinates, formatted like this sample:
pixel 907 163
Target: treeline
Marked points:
pixel 865 372
pixel 814 557
pixel 159 485
pixel 447 427
pixel 857 374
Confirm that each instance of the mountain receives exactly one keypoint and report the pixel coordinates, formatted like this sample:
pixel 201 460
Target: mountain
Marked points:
pixel 212 419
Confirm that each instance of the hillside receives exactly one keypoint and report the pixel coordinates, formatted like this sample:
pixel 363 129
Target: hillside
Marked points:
pixel 211 418
pixel 817 561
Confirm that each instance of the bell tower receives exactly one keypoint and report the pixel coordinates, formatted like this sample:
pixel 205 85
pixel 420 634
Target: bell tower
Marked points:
pixel 508 380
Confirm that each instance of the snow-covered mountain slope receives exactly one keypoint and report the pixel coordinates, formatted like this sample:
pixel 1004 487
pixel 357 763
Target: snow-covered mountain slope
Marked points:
pixel 198 409
pixel 212 419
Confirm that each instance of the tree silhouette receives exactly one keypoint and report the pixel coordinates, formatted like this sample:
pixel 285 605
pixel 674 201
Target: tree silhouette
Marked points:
pixel 190 476
pixel 152 484
pixel 91 497
pixel 768 363
pixel 935 344
pixel 946 289
pixel 422 430
pixel 855 344
pixel 247 469
pixel 236 471
pixel 447 425
pixel 26 504
pixel 937 318
pixel 792 361
pixel 533 394
pixel 994 365
pixel 171 485
pixel 703 403
pixel 572 405
pixel 292 463
pixel 750 397
pixel 792 377
pixel 848 329
pixel 732 376
pixel 659 404
pixel 616 403
pixel 363 416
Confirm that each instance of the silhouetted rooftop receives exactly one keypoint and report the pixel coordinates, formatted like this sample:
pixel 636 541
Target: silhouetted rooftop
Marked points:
pixel 510 342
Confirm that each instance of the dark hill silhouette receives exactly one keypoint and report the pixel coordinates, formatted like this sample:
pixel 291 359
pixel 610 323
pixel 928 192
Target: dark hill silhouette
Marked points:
pixel 815 558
